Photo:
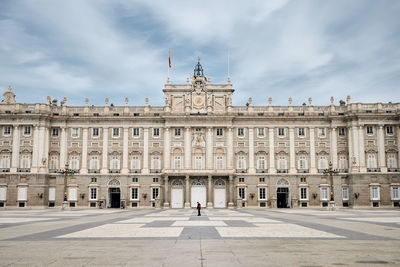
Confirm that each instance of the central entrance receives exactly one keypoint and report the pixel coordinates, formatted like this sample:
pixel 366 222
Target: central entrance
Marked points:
pixel 115 197
pixel 282 196
pixel 199 193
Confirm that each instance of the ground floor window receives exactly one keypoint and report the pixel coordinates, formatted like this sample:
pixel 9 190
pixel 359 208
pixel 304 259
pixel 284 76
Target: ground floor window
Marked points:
pixel 345 193
pixel 375 193
pixel 303 194
pixel 135 193
pixel 242 192
pixel 261 193
pixel 395 192
pixel 154 192
pixel 93 193
pixel 324 193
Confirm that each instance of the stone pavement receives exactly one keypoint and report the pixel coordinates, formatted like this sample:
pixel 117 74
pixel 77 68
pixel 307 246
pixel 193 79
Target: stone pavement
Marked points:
pixel 220 237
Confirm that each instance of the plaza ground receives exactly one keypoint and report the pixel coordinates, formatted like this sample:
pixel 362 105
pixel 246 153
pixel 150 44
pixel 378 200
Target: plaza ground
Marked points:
pixel 220 237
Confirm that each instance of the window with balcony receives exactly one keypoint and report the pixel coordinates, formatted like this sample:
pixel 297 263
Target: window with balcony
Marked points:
pixel 155 164
pixel 220 162
pixel 282 164
pixel 94 164
pixel 53 164
pixel 178 163
pixel 114 164
pixel 371 163
pixel 135 164
pixel 198 162
pixel 302 164
pixel 322 163
pixel 241 163
pixel 74 162
pixel 391 162
pixel 261 164
pixel 395 193
pixel 343 166
pixel 5 163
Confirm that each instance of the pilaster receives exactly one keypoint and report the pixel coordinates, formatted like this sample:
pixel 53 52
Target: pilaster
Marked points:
pixel 35 151
pixel 104 165
pixel 166 192
pixel 15 149
pixel 272 168
pixel 63 148
pixel 252 169
pixel 361 148
pixel 84 169
pixel 188 148
pixel 334 157
pixel 125 146
pixel 230 203
pixel 209 191
pixel 313 168
pixel 209 148
pixel 291 151
pixel 167 149
pixel 381 149
pixel 187 192
pixel 229 149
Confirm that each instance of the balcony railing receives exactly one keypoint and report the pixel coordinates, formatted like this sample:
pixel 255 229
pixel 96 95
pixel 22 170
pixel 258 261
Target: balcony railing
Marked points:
pixel 134 171
pixel 115 170
pixel 393 170
pixel 343 170
pixel 321 170
pixel 52 170
pixel 373 169
pixel 261 170
pixel 155 170
pixel 23 169
pixel 282 170
pixel 241 170
pixel 303 171
pixel 93 170
pixel 4 169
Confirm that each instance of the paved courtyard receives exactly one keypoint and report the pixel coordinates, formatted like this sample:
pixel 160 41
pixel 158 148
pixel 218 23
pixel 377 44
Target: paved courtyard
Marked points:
pixel 289 237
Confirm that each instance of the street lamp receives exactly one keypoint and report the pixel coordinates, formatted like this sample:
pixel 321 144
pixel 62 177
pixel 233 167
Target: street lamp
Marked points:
pixel 66 172
pixel 330 171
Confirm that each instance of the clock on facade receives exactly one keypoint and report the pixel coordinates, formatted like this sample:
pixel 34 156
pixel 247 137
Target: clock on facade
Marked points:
pixel 198 100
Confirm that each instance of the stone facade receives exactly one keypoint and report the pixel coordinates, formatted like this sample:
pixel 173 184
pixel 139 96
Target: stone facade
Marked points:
pixel 198 147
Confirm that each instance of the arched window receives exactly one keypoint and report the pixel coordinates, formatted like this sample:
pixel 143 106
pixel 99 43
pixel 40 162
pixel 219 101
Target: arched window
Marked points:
pixel 220 162
pixel 178 162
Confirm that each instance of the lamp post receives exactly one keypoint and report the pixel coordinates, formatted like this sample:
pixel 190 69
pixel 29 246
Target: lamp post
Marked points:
pixel 330 171
pixel 66 172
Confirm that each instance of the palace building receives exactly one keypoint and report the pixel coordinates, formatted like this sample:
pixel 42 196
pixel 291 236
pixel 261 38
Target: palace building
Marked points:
pixel 198 147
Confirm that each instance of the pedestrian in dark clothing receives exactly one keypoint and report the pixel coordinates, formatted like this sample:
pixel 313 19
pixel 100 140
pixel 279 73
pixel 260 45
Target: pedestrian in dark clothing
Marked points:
pixel 198 208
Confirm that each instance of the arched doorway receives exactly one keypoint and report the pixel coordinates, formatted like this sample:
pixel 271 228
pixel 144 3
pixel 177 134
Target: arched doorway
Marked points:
pixel 114 194
pixel 219 194
pixel 282 194
pixel 198 193
pixel 176 194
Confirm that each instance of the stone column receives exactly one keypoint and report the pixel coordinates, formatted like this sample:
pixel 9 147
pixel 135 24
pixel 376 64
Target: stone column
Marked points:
pixel 252 169
pixel 84 150
pixel 63 148
pixel 229 149
pixel 15 149
pixel 104 169
pixel 209 191
pixel 272 168
pixel 230 203
pixel 313 168
pixel 381 149
pixel 35 152
pixel 41 148
pixel 167 149
pixel 145 151
pixel 188 148
pixel 209 149
pixel 334 157
pixel 46 148
pixel 166 192
pixel 291 151
pixel 355 149
pixel 350 147
pixel 125 152
pixel 361 148
pixel 187 188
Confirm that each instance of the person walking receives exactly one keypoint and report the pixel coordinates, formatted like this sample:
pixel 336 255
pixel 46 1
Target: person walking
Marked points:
pixel 198 208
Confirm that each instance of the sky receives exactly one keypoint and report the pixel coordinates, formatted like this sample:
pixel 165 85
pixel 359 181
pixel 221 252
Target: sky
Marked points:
pixel 279 48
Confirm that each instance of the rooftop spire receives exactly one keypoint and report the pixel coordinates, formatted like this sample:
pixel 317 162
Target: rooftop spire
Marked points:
pixel 198 70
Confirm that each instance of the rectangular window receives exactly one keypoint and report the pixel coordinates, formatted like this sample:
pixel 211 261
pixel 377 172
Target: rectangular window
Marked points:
pixel 303 180
pixel 301 132
pixel 241 180
pixel 375 193
pixel 321 132
pixel 370 130
pixel 281 131
pixel 27 130
pixel 262 180
pixel 136 132
pixel 324 193
pixel 178 132
pixel 342 132
pixel 389 130
pixel 220 162
pixel 154 193
pixel 240 132
pixel 261 163
pixel 260 131
pixel 177 162
pixel 93 193
pixel 219 132
pixel 303 193
pixel 242 193
pixel 155 180
pixel 7 130
pixel 261 193
pixel 198 162
pixel 52 194
pixel 156 132
pixel 94 180
pixel 135 180
pixel 115 132
pixel 395 193
pixel 134 195
pixel 95 132
pixel 345 193
pixel 54 132
pixel 75 132
pixel 22 193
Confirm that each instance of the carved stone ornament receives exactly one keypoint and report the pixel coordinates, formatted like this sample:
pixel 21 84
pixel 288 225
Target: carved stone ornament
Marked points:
pixel 198 140
pixel 9 96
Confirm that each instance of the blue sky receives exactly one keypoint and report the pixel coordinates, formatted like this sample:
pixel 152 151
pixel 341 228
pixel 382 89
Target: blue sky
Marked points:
pixel 119 49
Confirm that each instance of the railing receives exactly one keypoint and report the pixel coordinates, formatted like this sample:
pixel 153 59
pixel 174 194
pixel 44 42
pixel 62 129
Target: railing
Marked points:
pixel 93 170
pixel 282 170
pixel 155 170
pixel 23 169
pixel 393 170
pixel 241 170
pixel 52 170
pixel 4 169
pixel 261 170
pixel 76 171
pixel 303 171
pixel 373 169
pixel 134 171
pixel 114 170
pixel 321 170
pixel 343 170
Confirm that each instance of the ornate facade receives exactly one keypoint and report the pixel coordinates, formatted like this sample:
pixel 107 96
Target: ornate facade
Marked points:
pixel 198 147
